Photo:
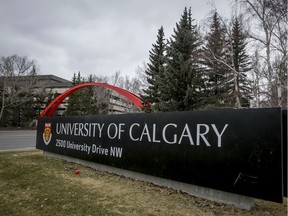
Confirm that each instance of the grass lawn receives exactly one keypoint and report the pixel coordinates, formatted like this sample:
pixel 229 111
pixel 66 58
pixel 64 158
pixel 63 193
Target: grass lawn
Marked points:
pixel 31 184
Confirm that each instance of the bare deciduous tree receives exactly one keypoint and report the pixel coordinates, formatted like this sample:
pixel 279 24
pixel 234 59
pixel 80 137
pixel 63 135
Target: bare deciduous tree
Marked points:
pixel 17 79
pixel 270 17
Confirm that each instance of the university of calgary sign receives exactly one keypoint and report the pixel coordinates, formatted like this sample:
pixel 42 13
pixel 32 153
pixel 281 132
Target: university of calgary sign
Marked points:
pixel 237 151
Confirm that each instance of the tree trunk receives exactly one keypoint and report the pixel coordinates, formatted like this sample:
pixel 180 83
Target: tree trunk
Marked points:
pixel 237 92
pixel 269 68
pixel 3 104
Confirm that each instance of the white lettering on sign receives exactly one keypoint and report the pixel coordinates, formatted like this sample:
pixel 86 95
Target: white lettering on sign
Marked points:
pixel 130 131
pixel 99 150
pixel 171 133
pixel 80 129
pixel 164 134
pixel 174 134
pixel 118 130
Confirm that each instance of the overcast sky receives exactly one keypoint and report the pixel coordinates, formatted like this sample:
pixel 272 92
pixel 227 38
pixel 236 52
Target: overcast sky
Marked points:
pixel 91 36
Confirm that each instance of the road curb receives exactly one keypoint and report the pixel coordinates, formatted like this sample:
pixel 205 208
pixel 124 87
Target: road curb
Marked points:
pixel 17 150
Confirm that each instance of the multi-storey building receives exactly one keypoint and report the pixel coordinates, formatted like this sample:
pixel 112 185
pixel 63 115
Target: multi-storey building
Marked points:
pixel 54 85
pixel 117 104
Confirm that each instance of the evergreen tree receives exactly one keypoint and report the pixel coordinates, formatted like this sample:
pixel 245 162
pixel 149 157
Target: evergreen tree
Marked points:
pixel 214 54
pixel 182 83
pixel 74 106
pixel 83 101
pixel 155 71
pixel 88 100
pixel 237 85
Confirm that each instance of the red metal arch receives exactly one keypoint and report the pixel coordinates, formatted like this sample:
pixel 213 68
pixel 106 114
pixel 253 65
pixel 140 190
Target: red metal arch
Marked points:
pixel 51 108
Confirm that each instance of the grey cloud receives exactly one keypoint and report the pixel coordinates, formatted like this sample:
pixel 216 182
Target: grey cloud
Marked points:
pixel 90 36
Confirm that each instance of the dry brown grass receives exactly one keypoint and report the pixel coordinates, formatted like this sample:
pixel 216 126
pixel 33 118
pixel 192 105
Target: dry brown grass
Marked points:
pixel 33 185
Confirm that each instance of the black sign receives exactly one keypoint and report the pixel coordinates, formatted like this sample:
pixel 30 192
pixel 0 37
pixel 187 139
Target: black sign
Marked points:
pixel 237 151
pixel 285 152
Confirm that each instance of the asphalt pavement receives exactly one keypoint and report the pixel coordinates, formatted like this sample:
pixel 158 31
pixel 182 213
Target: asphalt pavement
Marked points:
pixel 13 140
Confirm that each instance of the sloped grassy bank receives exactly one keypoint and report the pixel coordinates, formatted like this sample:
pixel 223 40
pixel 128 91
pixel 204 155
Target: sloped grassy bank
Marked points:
pixel 33 185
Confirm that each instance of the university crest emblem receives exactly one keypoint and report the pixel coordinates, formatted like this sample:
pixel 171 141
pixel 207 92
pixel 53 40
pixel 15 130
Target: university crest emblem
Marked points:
pixel 47 135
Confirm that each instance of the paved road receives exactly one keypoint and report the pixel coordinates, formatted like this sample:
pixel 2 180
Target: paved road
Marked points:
pixel 17 140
